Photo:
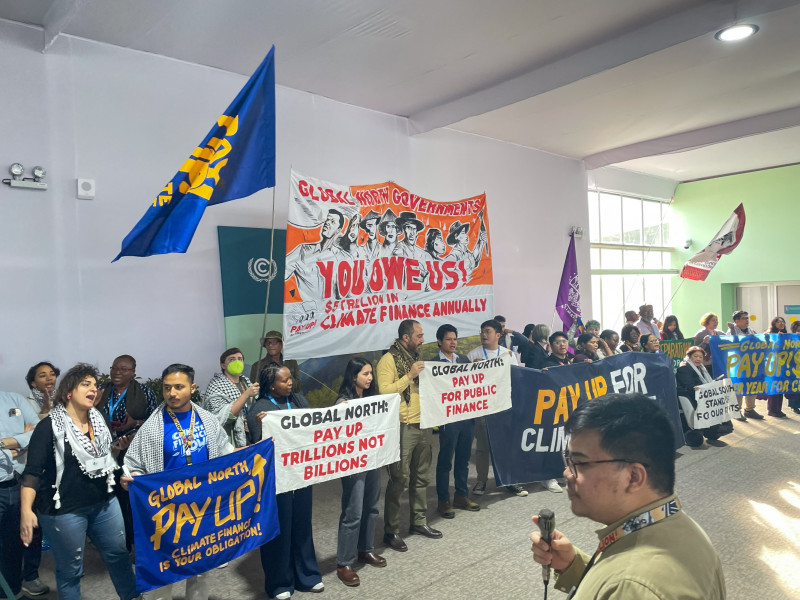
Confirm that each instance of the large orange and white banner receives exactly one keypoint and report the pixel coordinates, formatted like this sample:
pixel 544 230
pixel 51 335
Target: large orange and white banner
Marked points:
pixel 360 259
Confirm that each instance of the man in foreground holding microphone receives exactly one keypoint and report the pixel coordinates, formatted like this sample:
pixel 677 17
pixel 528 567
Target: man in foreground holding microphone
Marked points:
pixel 620 472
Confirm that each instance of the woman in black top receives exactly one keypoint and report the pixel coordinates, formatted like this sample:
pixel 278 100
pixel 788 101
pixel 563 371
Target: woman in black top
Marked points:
pixel 671 329
pixel 361 493
pixel 69 480
pixel 534 355
pixel 630 338
pixel 586 348
pixel 289 560
pixel 689 376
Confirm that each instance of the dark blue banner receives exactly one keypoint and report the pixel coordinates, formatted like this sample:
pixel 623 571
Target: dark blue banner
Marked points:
pixel 527 440
pixel 768 363
pixel 190 520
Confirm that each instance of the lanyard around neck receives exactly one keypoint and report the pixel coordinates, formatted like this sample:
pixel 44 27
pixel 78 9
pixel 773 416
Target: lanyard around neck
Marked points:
pixel 637 523
pixel 187 439
pixel 271 399
pixel 112 406
pixel 486 356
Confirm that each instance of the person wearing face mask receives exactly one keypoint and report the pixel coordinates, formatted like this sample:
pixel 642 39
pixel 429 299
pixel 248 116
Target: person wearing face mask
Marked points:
pixel 41 379
pixel 228 395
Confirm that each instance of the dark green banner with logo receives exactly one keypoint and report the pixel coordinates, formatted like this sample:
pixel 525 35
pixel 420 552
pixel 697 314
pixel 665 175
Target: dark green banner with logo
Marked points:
pixel 676 349
pixel 244 258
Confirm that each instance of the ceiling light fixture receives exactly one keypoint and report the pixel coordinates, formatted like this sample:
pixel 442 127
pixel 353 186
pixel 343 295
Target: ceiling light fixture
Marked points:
pixel 736 33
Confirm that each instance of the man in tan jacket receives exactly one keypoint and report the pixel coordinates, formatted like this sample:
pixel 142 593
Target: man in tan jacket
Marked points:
pixel 620 471
pixel 398 372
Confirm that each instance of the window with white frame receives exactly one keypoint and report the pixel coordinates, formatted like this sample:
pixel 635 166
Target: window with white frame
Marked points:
pixel 630 255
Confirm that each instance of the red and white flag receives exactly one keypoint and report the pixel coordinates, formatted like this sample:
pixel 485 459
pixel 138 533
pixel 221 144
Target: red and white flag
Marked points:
pixel 727 238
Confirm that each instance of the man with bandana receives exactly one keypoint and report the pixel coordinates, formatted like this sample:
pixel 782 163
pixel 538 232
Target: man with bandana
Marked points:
pixel 398 373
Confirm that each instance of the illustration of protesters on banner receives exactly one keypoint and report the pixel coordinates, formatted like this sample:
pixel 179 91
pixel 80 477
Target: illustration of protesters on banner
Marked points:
pixel 411 227
pixel 434 243
pixel 302 261
pixel 458 237
pixel 388 229
pixel 371 249
pixel 347 245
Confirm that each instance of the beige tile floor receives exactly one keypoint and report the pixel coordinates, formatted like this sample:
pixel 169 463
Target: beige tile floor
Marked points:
pixel 746 496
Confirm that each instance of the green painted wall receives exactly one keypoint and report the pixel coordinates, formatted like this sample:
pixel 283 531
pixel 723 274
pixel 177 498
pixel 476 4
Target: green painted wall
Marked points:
pixel 770 247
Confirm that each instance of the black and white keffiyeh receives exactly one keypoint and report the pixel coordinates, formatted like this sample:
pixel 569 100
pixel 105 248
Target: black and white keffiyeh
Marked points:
pixel 221 393
pixel 94 457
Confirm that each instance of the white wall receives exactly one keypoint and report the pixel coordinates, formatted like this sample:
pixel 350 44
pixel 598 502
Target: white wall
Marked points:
pixel 129 119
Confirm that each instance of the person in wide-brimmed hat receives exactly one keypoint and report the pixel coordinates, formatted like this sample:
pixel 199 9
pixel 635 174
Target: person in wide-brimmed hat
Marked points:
pixel 371 248
pixel 411 227
pixel 273 343
pixel 388 229
pixel 458 237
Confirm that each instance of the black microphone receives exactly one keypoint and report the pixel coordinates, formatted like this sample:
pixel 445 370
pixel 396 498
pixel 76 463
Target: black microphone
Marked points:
pixel 547 524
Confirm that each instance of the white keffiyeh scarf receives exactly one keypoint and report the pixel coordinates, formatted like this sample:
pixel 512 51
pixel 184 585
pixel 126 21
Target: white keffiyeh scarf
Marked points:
pixel 94 457
pixel 221 393
pixel 701 371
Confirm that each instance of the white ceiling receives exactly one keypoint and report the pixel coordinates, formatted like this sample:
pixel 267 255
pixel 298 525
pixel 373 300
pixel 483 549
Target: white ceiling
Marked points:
pixel 640 84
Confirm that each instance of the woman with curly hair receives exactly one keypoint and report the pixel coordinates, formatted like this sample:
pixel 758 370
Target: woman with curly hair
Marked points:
pixel 69 482
pixel 41 379
pixel 630 335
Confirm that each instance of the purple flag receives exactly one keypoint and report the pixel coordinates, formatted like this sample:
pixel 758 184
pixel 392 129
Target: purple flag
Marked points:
pixel 568 301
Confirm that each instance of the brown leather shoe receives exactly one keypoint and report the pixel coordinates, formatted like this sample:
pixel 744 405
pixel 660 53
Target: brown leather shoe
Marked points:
pixel 395 542
pixel 426 530
pixel 465 503
pixel 370 558
pixel 347 576
pixel 446 510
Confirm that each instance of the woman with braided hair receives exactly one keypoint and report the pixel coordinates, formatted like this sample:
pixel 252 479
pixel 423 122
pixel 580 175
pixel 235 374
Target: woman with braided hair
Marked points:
pixel 289 560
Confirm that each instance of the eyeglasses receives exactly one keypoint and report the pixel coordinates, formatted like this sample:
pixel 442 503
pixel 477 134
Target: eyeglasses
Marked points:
pixel 573 466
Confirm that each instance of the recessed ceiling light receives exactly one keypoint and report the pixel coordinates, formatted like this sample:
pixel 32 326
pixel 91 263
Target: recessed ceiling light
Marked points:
pixel 736 33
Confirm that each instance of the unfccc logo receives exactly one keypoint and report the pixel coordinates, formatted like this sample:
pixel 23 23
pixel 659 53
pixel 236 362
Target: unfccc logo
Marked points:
pixel 262 269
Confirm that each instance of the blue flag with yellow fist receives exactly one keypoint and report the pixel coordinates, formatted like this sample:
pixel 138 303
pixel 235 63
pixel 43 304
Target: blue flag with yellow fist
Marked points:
pixel 235 160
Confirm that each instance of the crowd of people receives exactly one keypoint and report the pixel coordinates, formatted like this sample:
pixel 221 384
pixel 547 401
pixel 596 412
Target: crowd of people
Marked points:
pixel 63 446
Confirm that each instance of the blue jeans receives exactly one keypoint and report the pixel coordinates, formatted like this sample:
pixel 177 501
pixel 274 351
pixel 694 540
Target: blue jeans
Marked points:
pixel 10 543
pixel 455 440
pixel 361 496
pixel 67 536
